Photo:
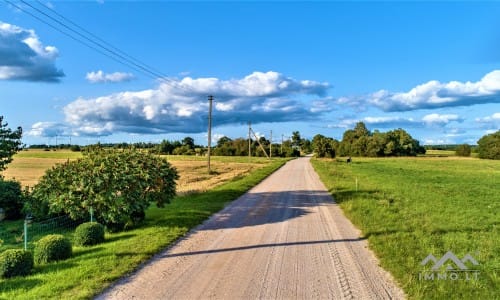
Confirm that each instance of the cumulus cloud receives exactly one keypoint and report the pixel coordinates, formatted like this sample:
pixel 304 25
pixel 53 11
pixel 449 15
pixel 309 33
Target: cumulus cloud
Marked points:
pixel 24 57
pixel 379 122
pixel 182 106
pixel 437 119
pixel 49 129
pixel 494 118
pixel 101 77
pixel 434 94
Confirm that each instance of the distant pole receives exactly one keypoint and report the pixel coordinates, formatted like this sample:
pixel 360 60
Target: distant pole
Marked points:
pixel 249 139
pixel 271 145
pixel 210 100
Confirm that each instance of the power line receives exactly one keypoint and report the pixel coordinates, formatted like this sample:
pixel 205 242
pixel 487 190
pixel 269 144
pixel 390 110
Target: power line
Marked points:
pixel 121 57
pixel 98 38
pixel 91 40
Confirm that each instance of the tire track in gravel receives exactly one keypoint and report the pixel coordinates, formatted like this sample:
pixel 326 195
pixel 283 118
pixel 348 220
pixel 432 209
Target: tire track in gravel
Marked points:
pixel 284 239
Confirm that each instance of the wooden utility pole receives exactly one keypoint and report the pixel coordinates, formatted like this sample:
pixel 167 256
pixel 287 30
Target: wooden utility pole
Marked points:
pixel 210 100
pixel 260 144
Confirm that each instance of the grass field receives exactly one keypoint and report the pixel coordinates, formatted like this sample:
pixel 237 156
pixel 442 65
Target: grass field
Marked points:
pixel 409 208
pixel 29 166
pixel 91 269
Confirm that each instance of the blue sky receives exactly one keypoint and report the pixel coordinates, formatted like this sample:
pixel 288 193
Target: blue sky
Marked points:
pixel 432 68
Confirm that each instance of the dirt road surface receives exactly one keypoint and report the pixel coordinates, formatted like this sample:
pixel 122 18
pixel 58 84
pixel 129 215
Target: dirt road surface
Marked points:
pixel 284 239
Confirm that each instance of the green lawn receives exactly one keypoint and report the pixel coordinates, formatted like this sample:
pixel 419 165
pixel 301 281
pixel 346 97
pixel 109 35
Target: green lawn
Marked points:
pixel 409 208
pixel 92 269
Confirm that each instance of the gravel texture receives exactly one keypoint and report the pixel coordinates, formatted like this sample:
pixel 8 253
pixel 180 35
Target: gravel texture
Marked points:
pixel 284 239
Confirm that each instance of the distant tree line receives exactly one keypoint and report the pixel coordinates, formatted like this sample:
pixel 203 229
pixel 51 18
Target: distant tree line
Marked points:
pixel 362 142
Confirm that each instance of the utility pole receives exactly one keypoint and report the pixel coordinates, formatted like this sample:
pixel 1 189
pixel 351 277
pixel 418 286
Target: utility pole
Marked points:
pixel 271 145
pixel 210 100
pixel 260 144
pixel 249 139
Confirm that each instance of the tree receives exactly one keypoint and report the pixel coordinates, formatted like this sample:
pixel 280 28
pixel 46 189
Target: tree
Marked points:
pixel 296 139
pixel 118 185
pixel 463 150
pixel 223 140
pixel 323 146
pixel 188 141
pixel 10 143
pixel 488 146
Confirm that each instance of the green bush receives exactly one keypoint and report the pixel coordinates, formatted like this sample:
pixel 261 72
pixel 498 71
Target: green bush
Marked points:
pixel 11 199
pixel 463 150
pixel 489 146
pixel 15 262
pixel 119 185
pixel 88 234
pixel 52 247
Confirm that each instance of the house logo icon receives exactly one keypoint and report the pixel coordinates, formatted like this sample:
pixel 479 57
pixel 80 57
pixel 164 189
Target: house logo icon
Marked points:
pixel 448 260
pixel 449 267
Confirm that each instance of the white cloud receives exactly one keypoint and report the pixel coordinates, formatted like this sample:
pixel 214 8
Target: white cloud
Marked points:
pixel 434 94
pixel 101 77
pixel 494 118
pixel 437 119
pixel 182 106
pixel 48 129
pixel 24 57
pixel 438 142
pixel 379 122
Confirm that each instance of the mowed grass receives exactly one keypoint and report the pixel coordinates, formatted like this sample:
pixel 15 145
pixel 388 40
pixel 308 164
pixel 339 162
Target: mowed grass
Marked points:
pixel 409 208
pixel 92 269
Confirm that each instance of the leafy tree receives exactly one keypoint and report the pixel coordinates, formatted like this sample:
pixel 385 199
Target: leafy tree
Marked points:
pixel 296 139
pixel 11 199
pixel 167 147
pixel 463 150
pixel 323 146
pixel 488 146
pixel 223 140
pixel 10 143
pixel 361 142
pixel 118 185
pixel 189 142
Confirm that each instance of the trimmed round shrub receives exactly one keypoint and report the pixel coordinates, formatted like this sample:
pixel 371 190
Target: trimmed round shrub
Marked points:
pixel 88 234
pixel 52 247
pixel 15 262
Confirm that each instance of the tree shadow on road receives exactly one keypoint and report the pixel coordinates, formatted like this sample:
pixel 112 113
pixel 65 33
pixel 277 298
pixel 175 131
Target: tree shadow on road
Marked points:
pixel 264 208
pixel 242 248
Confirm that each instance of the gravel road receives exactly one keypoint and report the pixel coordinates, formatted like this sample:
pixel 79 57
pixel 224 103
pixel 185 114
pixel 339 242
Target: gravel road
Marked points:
pixel 284 239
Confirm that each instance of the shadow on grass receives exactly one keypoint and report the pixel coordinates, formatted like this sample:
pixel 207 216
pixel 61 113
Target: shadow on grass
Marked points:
pixel 345 194
pixel 118 237
pixel 18 283
pixel 53 267
pixel 85 251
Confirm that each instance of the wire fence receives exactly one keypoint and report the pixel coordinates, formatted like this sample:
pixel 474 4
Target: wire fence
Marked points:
pixel 25 234
pixel 33 231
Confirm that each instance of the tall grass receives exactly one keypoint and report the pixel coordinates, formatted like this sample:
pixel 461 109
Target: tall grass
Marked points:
pixel 92 269
pixel 409 208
